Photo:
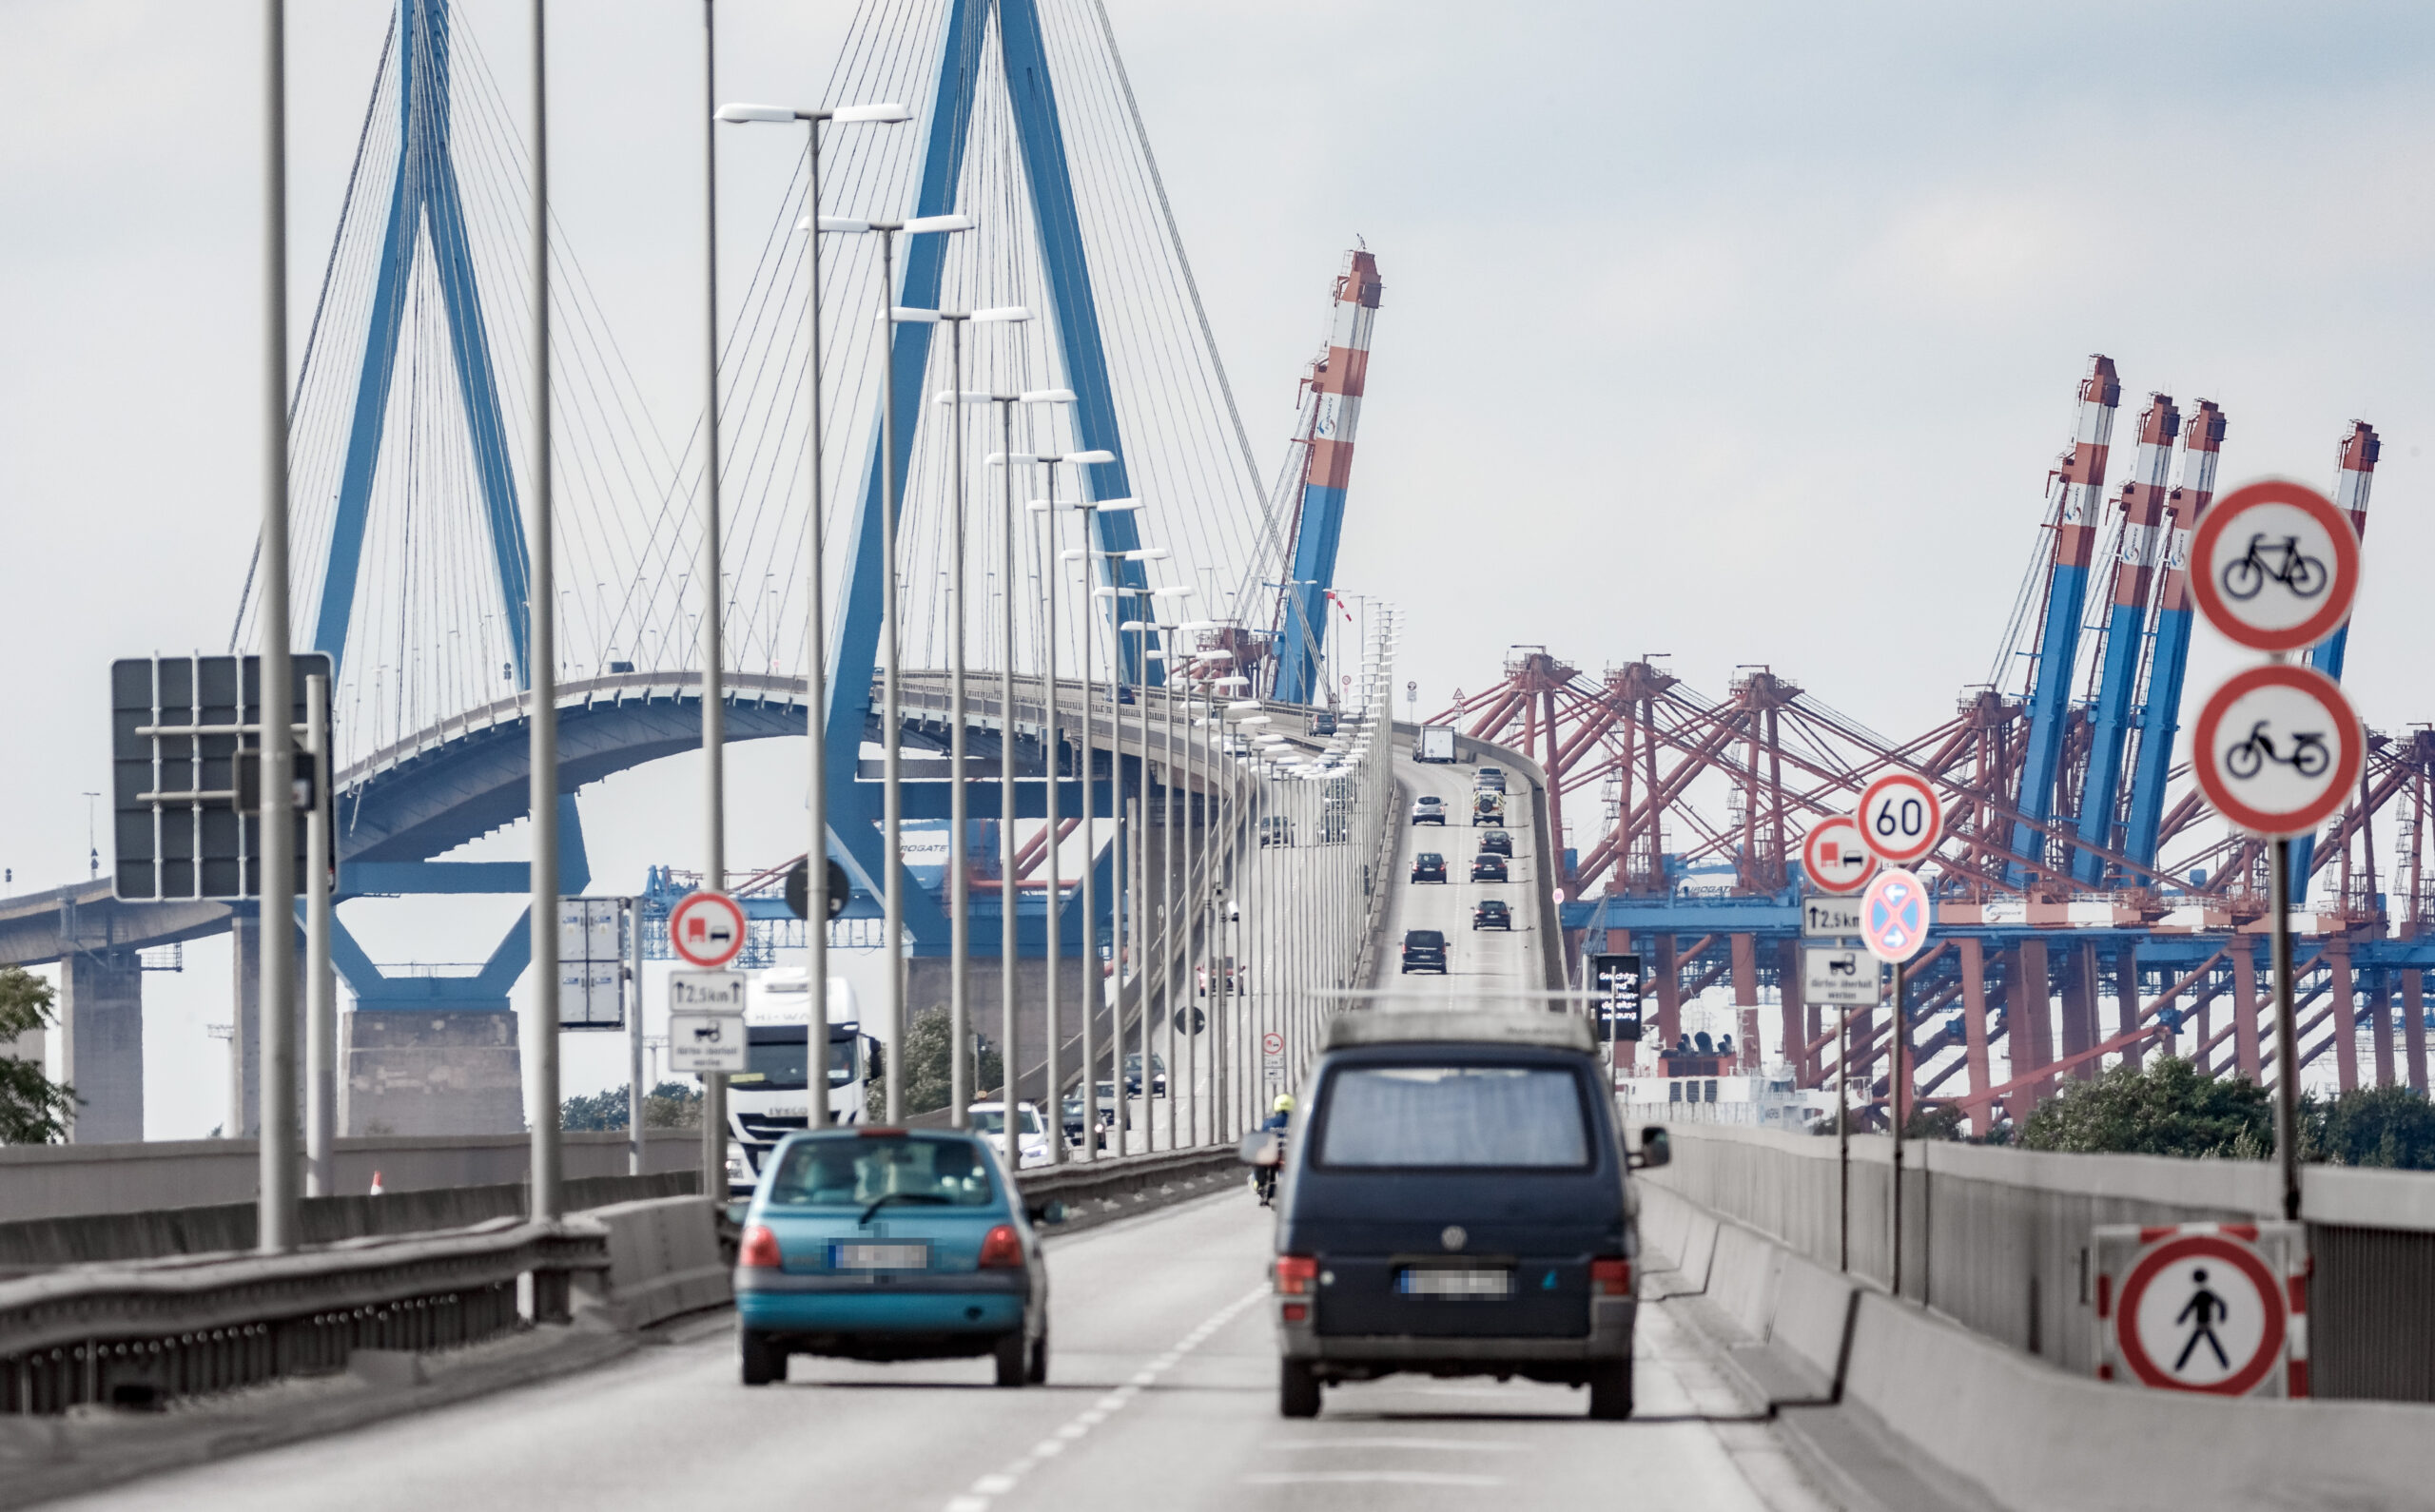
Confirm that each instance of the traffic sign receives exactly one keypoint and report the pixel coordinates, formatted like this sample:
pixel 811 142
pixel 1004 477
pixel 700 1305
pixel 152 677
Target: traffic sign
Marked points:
pixel 1834 855
pixel 591 962
pixel 705 1021
pixel 2205 1308
pixel 2274 566
pixel 1615 984
pixel 2278 749
pixel 1900 818
pixel 1894 916
pixel 799 889
pixel 1830 918
pixel 706 929
pixel 1840 978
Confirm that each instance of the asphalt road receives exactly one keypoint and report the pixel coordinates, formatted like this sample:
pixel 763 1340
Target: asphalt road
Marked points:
pixel 1478 962
pixel 1161 1394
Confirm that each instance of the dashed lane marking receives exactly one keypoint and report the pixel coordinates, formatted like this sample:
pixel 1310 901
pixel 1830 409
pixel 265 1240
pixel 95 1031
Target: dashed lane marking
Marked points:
pixel 984 1490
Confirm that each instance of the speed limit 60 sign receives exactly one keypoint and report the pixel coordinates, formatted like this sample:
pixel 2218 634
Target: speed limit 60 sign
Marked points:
pixel 1900 818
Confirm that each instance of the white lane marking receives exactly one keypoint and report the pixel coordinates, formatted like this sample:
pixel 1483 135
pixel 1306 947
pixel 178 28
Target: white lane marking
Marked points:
pixel 998 1484
pixel 1462 1446
pixel 1369 1478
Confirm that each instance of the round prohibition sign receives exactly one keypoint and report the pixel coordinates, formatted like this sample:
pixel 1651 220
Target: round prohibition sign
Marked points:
pixel 2274 566
pixel 1894 916
pixel 2200 1312
pixel 1834 856
pixel 706 930
pixel 2277 750
pixel 1900 818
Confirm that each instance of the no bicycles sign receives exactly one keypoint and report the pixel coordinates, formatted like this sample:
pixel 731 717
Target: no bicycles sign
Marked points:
pixel 2274 566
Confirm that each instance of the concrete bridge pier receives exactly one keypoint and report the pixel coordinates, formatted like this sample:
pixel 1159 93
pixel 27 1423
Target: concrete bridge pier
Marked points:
pixel 101 1016
pixel 421 1071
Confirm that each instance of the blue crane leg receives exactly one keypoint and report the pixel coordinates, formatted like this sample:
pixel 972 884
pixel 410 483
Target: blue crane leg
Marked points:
pixel 1075 311
pixel 2110 729
pixel 2327 658
pixel 1315 548
pixel 2059 648
pixel 2158 722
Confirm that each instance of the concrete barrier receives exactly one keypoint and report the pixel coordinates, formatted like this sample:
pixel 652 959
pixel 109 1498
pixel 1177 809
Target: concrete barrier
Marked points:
pixel 2036 1438
pixel 1813 1316
pixel 1663 1219
pixel 1742 1278
pixel 664 1259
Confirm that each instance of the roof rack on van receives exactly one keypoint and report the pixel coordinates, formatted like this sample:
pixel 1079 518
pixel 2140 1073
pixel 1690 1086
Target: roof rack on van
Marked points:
pixel 1553 1031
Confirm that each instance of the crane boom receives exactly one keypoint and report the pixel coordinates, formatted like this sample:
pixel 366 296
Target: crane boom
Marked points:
pixel 1330 415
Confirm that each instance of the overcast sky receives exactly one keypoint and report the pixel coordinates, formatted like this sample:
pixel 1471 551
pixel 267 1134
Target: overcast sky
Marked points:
pixel 1741 332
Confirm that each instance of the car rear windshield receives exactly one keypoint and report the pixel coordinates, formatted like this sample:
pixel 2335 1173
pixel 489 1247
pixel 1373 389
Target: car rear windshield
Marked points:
pixel 857 1169
pixel 1424 936
pixel 1440 1116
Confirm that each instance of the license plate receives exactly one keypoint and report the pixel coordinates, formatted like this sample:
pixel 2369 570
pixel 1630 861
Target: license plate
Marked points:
pixel 1434 1282
pixel 879 1256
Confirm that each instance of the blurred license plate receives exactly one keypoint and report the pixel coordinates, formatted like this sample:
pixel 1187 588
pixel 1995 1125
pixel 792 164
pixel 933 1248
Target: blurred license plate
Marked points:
pixel 1434 1282
pixel 879 1256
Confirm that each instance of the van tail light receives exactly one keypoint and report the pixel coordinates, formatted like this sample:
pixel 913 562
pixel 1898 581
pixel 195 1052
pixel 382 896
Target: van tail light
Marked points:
pixel 1296 1274
pixel 1610 1278
pixel 1002 1250
pixel 760 1251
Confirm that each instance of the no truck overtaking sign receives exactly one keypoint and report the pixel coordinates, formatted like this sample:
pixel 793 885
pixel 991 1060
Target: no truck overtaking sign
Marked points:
pixel 1835 858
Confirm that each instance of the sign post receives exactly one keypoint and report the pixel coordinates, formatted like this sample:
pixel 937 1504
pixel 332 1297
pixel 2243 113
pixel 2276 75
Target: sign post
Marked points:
pixel 1893 924
pixel 2277 748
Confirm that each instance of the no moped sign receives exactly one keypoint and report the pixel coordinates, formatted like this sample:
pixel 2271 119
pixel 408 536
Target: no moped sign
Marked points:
pixel 2277 750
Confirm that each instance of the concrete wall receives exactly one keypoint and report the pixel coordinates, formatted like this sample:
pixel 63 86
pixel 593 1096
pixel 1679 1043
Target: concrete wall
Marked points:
pixel 46 1181
pixel 100 1019
pixel 1997 1239
pixel 405 1072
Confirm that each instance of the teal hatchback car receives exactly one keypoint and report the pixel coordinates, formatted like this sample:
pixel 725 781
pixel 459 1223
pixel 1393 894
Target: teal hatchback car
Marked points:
pixel 891 1244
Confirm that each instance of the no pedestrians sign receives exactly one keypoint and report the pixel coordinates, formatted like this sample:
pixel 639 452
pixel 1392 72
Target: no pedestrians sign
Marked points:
pixel 2216 1308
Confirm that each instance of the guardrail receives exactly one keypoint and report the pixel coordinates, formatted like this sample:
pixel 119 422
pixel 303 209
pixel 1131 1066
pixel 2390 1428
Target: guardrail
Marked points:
pixel 1098 1192
pixel 139 1334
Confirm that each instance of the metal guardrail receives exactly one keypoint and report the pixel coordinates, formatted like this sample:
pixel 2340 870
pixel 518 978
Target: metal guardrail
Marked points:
pixel 1094 1191
pixel 139 1334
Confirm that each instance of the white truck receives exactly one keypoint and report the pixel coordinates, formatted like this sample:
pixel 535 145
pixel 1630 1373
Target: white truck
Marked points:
pixel 1437 743
pixel 771 1098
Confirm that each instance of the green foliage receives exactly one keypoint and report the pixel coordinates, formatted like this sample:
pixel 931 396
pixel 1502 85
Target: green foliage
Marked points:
pixel 670 1105
pixel 927 1075
pixel 2165 1108
pixel 1936 1122
pixel 34 1109
pixel 2392 1127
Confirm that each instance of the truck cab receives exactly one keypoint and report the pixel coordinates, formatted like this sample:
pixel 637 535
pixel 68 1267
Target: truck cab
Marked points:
pixel 771 1098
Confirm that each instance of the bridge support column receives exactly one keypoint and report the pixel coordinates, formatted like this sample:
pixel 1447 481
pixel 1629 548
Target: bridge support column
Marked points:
pixel 2028 998
pixel 2413 1025
pixel 1973 1031
pixel 1745 997
pixel 2380 1002
pixel 101 1016
pixel 2346 1026
pixel 1795 1023
pixel 408 1071
pixel 2080 1009
pixel 2245 1056
pixel 245 943
pixel 2126 1000
pixel 1670 993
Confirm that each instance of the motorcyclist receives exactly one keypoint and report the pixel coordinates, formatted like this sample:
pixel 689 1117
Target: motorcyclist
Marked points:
pixel 1279 1119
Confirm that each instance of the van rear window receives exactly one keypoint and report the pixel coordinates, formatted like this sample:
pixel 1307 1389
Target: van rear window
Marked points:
pixel 1454 1115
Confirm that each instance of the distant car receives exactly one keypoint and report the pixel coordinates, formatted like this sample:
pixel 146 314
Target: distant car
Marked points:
pixel 1157 1074
pixel 1488 808
pixel 1498 843
pixel 1276 829
pixel 1490 780
pixel 1031 1131
pixel 1124 693
pixel 1486 868
pixel 1429 866
pixel 1424 950
pixel 1322 722
pixel 1230 977
pixel 954 1269
pixel 1428 810
pixel 1492 912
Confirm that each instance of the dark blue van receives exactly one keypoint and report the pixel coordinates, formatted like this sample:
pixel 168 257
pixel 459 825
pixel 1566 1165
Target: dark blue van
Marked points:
pixel 1456 1203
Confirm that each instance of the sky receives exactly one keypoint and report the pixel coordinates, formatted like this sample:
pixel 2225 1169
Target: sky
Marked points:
pixel 1741 332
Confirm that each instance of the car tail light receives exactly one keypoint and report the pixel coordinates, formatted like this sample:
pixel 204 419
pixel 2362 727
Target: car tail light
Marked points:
pixel 1610 1278
pixel 1298 1312
pixel 760 1251
pixel 1295 1274
pixel 1002 1250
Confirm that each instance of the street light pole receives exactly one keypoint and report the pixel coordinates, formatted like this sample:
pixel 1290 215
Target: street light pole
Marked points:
pixel 541 1036
pixel 710 577
pixel 815 631
pixel 276 965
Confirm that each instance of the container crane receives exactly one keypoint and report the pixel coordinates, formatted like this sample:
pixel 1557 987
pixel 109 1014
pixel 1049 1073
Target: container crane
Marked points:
pixel 1331 414
pixel 2126 631
pixel 2202 445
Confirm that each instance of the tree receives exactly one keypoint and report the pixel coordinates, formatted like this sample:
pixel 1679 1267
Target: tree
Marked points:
pixel 2372 1126
pixel 2162 1109
pixel 34 1109
pixel 670 1105
pixel 927 1083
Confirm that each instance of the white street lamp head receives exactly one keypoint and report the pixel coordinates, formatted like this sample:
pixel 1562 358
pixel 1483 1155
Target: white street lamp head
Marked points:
pixel 930 224
pixel 1047 396
pixel 907 315
pixel 882 113
pixel 1071 553
pixel 1002 313
pixel 844 225
pixel 1249 706
pixel 1105 593
pixel 739 114
pixel 1172 593
pixel 1001 458
pixel 1237 681
pixel 1195 624
pixel 1147 553
pixel 1108 506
